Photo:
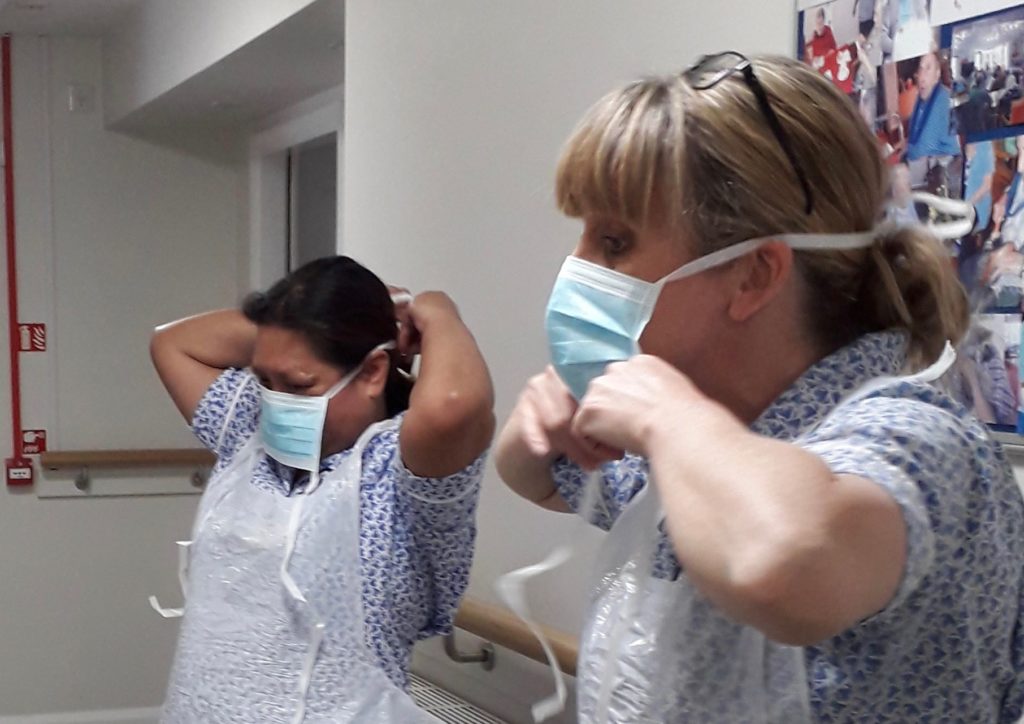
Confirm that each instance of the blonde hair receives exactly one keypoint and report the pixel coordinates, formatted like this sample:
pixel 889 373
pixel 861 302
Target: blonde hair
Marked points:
pixel 706 164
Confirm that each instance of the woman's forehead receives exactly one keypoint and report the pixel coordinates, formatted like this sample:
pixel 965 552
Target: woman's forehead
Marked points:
pixel 284 351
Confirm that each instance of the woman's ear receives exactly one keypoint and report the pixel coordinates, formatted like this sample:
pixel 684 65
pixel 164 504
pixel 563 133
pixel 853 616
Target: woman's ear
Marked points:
pixel 763 274
pixel 374 375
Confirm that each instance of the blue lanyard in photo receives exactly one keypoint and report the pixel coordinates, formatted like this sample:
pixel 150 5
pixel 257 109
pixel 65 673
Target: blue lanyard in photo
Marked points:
pixel 919 118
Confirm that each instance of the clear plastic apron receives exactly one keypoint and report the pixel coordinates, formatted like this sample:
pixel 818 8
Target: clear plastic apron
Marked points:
pixel 256 644
pixel 655 650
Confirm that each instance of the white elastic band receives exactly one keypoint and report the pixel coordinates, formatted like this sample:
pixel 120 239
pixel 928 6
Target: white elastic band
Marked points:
pixel 511 588
pixel 227 418
pixel 855 240
pixel 401 298
pixel 318 626
pixel 183 561
pixel 165 612
pixel 963 211
pixel 852 240
pixel 939 367
pixel 291 538
pixel 943 204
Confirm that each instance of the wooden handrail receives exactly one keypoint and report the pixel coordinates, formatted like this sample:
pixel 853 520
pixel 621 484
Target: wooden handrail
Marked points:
pixel 502 627
pixel 181 457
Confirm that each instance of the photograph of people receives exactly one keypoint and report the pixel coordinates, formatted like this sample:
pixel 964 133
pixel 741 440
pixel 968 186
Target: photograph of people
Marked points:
pixel 988 61
pixel 979 170
pixel 902 209
pixel 870 56
pixel 846 48
pixel 986 376
pixel 913 34
pixel 932 143
pixel 943 12
pixel 989 263
pixel 821 41
pixel 890 18
pixel 1013 206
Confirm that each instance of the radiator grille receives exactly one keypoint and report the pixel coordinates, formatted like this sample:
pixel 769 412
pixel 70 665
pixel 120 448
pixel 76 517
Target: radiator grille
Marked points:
pixel 446 706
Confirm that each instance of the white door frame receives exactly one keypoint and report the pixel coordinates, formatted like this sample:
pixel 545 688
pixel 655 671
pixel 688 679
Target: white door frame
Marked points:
pixel 268 173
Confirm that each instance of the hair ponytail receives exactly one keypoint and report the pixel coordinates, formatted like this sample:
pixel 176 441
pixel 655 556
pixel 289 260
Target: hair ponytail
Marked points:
pixel 911 284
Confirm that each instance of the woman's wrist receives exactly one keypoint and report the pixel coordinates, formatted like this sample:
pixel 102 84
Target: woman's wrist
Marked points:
pixel 688 429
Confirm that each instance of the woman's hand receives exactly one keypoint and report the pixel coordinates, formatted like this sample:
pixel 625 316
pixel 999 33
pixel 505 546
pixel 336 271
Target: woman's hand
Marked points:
pixel 415 312
pixel 450 419
pixel 408 338
pixel 631 400
pixel 538 431
pixel 546 410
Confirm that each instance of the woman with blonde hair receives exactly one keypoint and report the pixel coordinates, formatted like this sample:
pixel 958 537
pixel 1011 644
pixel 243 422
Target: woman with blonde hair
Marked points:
pixel 803 527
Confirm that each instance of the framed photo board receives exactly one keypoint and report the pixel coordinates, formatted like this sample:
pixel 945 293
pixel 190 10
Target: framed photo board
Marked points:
pixel 940 83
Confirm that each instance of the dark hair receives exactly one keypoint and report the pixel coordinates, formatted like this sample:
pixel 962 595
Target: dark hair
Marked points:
pixel 343 310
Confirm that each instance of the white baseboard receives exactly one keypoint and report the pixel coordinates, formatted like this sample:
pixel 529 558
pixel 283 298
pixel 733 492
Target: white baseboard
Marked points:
pixel 107 716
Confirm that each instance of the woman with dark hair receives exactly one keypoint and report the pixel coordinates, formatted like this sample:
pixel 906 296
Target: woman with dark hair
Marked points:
pixel 337 528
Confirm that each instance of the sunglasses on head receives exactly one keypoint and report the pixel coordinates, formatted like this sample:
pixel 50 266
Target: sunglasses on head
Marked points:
pixel 711 70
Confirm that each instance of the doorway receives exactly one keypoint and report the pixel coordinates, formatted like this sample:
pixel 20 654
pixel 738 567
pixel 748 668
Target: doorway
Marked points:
pixel 295 184
pixel 312 200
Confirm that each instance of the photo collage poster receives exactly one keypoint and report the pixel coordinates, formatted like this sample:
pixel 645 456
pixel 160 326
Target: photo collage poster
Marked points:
pixel 940 83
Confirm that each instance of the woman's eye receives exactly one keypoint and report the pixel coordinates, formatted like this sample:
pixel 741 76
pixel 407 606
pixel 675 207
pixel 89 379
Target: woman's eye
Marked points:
pixel 614 245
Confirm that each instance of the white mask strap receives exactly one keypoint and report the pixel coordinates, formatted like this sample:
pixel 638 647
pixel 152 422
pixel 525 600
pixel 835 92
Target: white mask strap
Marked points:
pixel 939 367
pixel 854 240
pixel 963 214
pixel 512 589
pixel 344 381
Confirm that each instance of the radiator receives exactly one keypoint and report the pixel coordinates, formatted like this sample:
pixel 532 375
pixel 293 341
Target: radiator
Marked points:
pixel 446 706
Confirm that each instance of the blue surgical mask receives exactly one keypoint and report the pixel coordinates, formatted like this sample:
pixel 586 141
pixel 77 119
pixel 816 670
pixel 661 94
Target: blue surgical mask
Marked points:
pixel 292 426
pixel 595 315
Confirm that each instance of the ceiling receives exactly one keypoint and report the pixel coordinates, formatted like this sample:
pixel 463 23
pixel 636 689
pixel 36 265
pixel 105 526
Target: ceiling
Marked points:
pixel 212 112
pixel 63 17
pixel 297 59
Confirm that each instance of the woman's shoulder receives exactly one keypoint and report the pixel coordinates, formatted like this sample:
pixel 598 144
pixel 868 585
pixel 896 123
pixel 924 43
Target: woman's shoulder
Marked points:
pixel 228 413
pixel 920 429
pixel 915 408
pixel 382 462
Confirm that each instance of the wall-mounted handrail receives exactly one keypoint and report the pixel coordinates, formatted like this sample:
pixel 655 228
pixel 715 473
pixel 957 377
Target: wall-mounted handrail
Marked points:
pixel 502 627
pixel 179 457
pixel 84 460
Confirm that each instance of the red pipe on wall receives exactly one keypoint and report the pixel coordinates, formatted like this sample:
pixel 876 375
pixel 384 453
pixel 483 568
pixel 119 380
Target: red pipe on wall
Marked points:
pixel 12 270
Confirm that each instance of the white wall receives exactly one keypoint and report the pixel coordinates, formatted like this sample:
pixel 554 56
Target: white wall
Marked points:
pixel 115 236
pixel 454 115
pixel 165 42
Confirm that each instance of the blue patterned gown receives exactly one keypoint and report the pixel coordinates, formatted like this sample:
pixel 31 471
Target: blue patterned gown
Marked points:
pixel 416 534
pixel 949 646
